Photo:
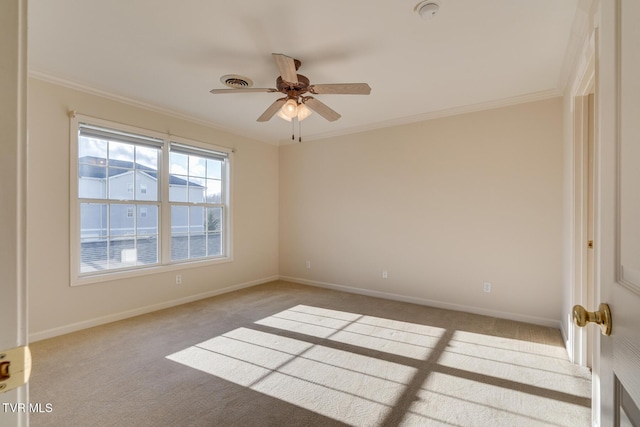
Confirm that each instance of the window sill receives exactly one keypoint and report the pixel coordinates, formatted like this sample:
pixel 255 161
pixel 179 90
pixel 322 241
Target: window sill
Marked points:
pixel 145 271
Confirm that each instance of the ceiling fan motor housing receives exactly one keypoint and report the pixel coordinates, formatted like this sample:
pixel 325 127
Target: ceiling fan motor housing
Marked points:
pixel 285 87
pixel 293 90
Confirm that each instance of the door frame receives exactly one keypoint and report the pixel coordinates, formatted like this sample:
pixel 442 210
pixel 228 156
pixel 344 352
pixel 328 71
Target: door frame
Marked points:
pixel 595 73
pixel 580 293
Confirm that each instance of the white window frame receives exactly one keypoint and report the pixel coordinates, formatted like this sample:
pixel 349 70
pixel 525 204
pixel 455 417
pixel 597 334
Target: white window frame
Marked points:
pixel 195 146
pixel 164 214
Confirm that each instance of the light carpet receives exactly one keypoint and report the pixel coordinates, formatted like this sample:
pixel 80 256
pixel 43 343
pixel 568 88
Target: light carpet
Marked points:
pixel 283 354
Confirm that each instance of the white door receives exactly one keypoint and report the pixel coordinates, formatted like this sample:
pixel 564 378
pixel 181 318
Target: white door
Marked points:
pixel 617 372
pixel 13 135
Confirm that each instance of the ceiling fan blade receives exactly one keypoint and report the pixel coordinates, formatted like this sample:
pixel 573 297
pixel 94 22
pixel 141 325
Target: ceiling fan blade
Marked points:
pixel 321 109
pixel 273 108
pixel 341 88
pixel 245 90
pixel 287 67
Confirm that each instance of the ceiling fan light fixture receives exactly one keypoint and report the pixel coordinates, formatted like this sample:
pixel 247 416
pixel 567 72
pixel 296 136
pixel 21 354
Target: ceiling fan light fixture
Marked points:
pixel 290 108
pixel 303 113
pixel 427 9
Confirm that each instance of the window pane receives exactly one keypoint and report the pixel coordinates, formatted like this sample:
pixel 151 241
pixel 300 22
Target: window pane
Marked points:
pixel 91 148
pixel 178 188
pixel 214 235
pixel 179 246
pixel 214 219
pixel 122 252
pixel 196 219
pixel 197 245
pixel 146 186
pixel 179 233
pixel 214 191
pixel 147 158
pixel 93 220
pixel 214 244
pixel 197 188
pixel 179 219
pixel 121 220
pixel 197 167
pixel 178 164
pixel 121 151
pixel 147 250
pixel 214 169
pixel 121 184
pixel 93 254
pixel 91 181
pixel 147 220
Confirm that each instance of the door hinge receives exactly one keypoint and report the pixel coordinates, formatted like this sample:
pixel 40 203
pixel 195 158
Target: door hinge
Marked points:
pixel 590 244
pixel 15 368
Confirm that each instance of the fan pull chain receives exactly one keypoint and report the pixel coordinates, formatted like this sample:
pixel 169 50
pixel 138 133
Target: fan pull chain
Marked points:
pixel 293 130
pixel 299 131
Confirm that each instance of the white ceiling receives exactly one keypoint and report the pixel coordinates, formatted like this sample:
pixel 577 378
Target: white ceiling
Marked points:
pixel 168 54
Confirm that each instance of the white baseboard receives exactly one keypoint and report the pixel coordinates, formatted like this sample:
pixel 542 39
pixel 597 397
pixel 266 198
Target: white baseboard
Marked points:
pixel 551 323
pixel 61 330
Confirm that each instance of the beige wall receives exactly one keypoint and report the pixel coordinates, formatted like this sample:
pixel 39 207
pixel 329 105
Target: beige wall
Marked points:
pixel 54 306
pixel 442 205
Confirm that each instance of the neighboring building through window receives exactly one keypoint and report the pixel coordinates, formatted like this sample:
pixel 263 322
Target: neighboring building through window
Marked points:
pixel 120 229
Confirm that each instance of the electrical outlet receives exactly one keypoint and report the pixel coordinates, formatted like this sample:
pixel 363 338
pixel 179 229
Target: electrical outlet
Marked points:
pixel 487 287
pixel 308 264
pixel 385 274
pixel 178 279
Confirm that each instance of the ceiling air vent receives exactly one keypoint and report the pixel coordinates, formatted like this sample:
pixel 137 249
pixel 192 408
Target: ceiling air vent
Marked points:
pixel 235 81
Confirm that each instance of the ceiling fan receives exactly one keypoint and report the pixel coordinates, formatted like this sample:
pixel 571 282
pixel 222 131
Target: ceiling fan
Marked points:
pixel 296 104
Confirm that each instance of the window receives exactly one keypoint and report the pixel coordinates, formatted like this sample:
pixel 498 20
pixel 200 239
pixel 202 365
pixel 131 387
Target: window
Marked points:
pixel 195 196
pixel 180 213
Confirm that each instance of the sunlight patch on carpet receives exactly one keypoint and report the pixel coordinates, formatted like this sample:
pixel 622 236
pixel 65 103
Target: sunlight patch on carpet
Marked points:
pixel 503 358
pixel 391 336
pixel 476 402
pixel 365 370
pixel 351 388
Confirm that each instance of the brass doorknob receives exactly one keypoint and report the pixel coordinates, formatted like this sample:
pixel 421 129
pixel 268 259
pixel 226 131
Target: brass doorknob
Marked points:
pixel 602 317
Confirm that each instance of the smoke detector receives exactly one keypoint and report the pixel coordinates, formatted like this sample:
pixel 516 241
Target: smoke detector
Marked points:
pixel 236 81
pixel 427 9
